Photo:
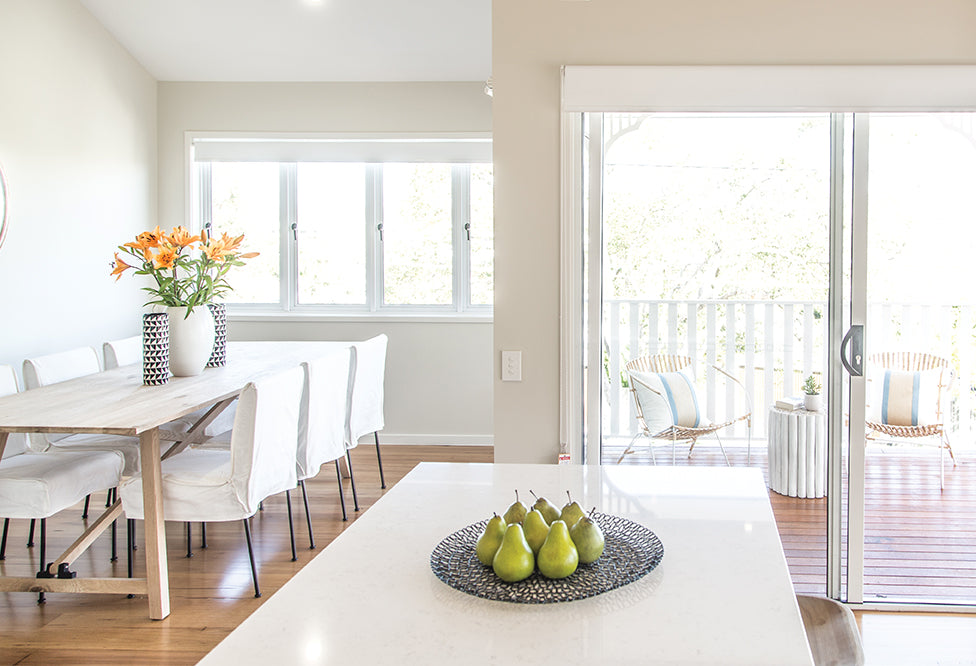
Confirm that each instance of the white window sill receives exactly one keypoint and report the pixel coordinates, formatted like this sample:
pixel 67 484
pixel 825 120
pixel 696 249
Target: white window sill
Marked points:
pixel 337 318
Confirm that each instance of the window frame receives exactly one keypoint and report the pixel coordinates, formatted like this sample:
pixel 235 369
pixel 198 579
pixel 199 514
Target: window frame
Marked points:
pixel 199 181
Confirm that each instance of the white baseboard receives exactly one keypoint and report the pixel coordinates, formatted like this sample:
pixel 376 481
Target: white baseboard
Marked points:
pixel 429 440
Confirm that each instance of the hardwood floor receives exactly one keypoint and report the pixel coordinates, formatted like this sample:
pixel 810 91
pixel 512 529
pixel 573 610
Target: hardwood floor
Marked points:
pixel 211 592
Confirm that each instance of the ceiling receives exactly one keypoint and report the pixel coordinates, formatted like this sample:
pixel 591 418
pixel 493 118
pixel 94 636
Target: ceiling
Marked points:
pixel 303 40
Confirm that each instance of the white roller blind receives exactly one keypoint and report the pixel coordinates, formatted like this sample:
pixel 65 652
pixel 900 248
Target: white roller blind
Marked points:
pixel 439 149
pixel 836 88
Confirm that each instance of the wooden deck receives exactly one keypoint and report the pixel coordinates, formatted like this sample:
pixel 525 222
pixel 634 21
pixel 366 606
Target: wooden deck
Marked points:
pixel 920 540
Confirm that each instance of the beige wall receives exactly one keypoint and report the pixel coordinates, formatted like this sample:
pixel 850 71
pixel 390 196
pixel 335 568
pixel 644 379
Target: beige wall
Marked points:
pixel 531 39
pixel 78 145
pixel 438 380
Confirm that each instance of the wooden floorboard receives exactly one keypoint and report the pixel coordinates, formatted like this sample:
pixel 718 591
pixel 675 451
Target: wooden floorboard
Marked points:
pixel 920 540
pixel 211 592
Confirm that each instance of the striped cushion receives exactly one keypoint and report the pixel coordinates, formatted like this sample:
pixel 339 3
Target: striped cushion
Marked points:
pixel 668 396
pixel 904 398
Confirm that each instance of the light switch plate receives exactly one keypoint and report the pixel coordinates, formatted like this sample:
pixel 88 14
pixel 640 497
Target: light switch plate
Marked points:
pixel 511 366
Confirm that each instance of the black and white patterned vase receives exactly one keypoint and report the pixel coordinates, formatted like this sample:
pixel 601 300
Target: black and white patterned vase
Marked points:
pixel 155 348
pixel 219 356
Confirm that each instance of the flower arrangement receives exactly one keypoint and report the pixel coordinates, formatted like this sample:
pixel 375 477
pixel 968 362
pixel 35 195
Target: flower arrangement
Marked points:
pixel 189 270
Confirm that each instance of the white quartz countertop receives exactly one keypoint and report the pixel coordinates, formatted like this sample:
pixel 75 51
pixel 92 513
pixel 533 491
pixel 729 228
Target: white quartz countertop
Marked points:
pixel 721 595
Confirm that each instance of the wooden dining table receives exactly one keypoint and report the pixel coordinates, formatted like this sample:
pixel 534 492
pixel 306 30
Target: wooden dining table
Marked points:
pixel 116 402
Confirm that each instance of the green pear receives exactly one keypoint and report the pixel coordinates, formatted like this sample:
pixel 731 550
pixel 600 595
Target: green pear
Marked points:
pixel 536 530
pixel 558 557
pixel 514 560
pixel 588 538
pixel 490 540
pixel 546 508
pixel 571 512
pixel 516 512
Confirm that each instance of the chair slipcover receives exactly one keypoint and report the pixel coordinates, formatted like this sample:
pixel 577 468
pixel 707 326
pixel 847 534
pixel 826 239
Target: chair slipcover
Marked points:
pixel 62 366
pixel 322 420
pixel 128 351
pixel 221 485
pixel 38 485
pixel 366 405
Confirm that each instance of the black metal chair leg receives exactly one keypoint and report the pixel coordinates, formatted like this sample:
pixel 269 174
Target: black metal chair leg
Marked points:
pixel 352 482
pixel 3 540
pixel 115 554
pixel 342 498
pixel 130 540
pixel 308 516
pixel 30 534
pixel 203 535
pixel 84 513
pixel 291 527
pixel 108 498
pixel 43 569
pixel 379 460
pixel 189 553
pixel 250 554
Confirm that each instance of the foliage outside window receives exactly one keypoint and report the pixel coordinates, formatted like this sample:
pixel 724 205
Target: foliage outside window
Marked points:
pixel 355 237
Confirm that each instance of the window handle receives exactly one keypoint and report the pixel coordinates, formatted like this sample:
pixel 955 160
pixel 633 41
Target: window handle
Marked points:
pixel 294 230
pixel 467 230
pixel 379 228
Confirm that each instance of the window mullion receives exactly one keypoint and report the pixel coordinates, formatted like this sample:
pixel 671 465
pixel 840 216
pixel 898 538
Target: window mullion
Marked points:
pixel 461 220
pixel 374 246
pixel 204 196
pixel 288 216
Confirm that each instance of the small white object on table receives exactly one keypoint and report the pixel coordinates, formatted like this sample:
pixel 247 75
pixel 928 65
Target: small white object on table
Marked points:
pixel 797 446
pixel 721 595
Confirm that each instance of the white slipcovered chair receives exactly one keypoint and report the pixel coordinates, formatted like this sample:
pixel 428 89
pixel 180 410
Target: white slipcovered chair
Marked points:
pixel 366 401
pixel 216 485
pixel 322 422
pixel 39 485
pixel 128 351
pixel 53 368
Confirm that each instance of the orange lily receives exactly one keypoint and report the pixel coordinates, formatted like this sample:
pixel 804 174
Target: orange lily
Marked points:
pixel 165 259
pixel 248 255
pixel 119 267
pixel 180 237
pixel 215 250
pixel 231 244
pixel 147 240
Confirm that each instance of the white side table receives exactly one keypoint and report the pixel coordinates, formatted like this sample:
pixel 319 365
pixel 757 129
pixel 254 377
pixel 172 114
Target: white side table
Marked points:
pixel 797 445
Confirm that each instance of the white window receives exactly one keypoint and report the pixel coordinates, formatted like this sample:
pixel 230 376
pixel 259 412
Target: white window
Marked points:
pixel 352 225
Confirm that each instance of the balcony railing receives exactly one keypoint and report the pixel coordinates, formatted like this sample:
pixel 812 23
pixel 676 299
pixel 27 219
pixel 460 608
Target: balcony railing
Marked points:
pixel 770 346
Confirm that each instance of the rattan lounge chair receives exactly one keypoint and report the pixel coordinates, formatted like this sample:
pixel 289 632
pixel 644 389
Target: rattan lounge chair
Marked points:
pixel 650 428
pixel 917 362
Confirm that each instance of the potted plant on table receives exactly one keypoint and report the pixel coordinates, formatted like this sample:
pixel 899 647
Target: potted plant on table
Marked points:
pixel 811 394
pixel 190 271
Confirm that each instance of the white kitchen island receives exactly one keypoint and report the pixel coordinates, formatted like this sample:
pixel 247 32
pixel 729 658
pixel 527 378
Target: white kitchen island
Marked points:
pixel 721 595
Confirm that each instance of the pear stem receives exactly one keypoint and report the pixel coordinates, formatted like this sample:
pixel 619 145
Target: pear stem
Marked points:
pixel 592 511
pixel 533 494
pixel 516 495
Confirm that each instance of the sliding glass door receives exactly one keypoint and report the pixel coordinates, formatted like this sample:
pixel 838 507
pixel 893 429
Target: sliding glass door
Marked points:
pixel 777 247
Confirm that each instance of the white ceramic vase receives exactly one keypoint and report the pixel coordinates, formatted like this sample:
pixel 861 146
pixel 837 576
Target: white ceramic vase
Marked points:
pixel 812 403
pixel 191 340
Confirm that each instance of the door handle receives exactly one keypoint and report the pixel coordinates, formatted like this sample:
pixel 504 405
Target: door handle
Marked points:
pixel 855 338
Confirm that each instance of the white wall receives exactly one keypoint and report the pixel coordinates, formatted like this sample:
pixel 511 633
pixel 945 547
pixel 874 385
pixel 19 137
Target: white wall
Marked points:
pixel 78 145
pixel 439 382
pixel 531 39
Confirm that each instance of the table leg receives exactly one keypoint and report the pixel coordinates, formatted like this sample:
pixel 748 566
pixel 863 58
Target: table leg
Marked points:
pixel 157 572
pixel 3 442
